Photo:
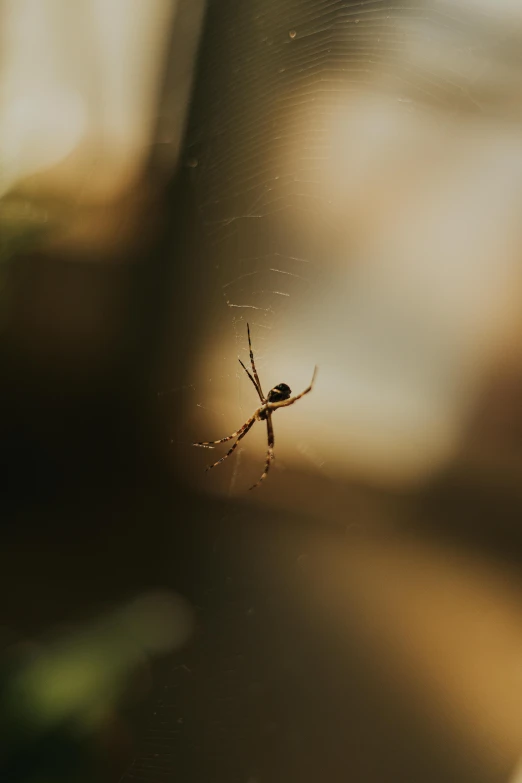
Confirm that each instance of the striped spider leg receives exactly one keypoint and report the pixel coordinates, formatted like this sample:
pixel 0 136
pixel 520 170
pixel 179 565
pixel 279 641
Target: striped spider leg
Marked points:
pixel 278 397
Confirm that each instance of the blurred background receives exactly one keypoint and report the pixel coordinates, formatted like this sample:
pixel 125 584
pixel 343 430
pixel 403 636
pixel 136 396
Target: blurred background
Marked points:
pixel 347 178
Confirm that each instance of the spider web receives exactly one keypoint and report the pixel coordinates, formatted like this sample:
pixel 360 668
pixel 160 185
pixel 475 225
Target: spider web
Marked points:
pixel 272 79
pixel 282 142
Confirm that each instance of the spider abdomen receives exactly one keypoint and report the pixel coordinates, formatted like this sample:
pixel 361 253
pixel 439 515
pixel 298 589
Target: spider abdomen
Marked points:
pixel 279 393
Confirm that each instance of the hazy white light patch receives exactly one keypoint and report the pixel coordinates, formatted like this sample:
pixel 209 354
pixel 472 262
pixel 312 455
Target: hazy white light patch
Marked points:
pixel 83 78
pixel 432 292
pixel 502 10
pixel 39 130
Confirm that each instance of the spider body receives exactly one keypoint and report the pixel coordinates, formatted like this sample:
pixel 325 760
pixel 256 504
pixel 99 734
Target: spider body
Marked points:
pixel 279 393
pixel 278 397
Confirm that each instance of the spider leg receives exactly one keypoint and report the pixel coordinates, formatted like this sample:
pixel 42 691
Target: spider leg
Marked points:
pixel 270 452
pixel 258 390
pixel 247 427
pixel 285 403
pixel 256 376
pixel 209 444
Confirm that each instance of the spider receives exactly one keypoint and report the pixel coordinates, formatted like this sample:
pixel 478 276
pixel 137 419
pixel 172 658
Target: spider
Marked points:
pixel 278 397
